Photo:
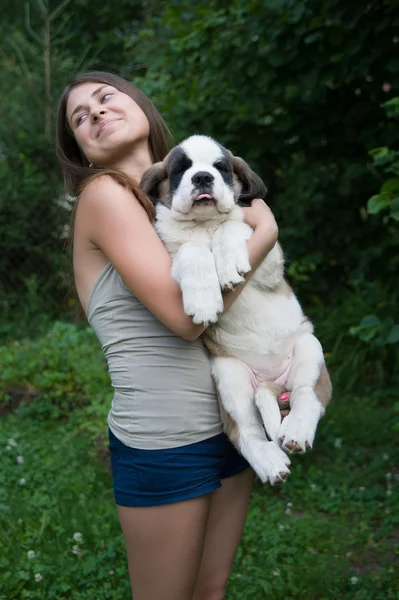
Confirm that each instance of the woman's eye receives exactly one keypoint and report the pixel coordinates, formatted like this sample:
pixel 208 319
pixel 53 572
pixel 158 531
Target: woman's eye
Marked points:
pixel 79 119
pixel 105 97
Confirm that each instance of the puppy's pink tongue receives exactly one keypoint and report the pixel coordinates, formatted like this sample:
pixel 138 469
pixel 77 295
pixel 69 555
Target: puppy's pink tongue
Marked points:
pixel 202 196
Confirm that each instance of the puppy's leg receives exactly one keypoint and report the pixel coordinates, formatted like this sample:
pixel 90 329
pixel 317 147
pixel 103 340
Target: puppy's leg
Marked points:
pixel 194 271
pixel 298 429
pixel 229 249
pixel 242 423
pixel 266 400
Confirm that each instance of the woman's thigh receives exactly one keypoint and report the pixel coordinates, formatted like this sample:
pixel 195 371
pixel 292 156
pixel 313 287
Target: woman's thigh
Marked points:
pixel 164 547
pixel 228 511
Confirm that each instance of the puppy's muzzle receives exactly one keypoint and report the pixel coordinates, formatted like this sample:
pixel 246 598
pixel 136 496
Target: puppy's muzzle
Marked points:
pixel 203 182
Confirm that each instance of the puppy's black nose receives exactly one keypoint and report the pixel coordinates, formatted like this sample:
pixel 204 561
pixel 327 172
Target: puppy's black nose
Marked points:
pixel 202 178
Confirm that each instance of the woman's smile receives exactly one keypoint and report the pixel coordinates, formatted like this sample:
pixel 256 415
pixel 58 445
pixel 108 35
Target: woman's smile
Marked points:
pixel 106 124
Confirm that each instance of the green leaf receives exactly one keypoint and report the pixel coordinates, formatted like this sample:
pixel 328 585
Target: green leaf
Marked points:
pixel 395 209
pixel 391 186
pixel 393 337
pixel 382 156
pixel 377 203
pixel 370 321
pixel 392 107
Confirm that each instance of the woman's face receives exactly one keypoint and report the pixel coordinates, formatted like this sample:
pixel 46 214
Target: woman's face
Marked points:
pixel 107 124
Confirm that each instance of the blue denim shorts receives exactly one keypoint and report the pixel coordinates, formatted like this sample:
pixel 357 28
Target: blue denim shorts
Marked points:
pixel 156 477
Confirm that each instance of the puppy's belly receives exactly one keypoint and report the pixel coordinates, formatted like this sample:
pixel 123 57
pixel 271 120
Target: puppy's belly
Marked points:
pixel 266 368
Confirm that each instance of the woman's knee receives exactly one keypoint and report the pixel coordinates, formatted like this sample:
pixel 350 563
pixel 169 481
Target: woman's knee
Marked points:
pixel 214 588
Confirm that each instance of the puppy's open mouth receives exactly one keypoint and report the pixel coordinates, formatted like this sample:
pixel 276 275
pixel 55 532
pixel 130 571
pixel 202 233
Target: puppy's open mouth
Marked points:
pixel 204 200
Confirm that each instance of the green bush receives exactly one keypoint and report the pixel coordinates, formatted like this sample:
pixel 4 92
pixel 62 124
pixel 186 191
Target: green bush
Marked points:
pixel 57 374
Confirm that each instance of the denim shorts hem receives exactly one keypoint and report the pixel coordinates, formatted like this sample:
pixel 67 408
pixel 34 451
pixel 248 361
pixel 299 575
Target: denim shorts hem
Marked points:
pixel 129 501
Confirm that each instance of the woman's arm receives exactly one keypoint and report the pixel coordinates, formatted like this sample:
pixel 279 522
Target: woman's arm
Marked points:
pixel 119 226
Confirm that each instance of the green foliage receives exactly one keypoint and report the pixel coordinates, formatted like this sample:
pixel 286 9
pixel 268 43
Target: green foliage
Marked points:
pixel 329 532
pixel 45 43
pixel 372 328
pixel 59 490
pixel 291 87
pixel 388 160
pixel 65 370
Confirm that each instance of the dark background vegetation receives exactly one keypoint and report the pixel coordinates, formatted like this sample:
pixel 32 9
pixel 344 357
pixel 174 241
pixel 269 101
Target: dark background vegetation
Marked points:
pixel 307 92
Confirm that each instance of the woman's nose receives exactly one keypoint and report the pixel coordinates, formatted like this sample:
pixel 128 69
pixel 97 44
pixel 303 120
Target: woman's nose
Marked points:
pixel 96 113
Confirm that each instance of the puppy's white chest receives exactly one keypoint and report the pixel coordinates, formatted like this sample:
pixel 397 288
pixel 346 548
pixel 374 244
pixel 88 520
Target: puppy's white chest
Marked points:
pixel 175 233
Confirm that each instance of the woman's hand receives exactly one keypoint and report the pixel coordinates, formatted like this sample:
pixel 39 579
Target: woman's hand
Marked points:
pixel 259 215
pixel 285 397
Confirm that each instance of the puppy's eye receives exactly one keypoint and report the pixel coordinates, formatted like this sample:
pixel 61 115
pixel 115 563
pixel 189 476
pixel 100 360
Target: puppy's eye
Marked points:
pixel 179 169
pixel 181 166
pixel 222 167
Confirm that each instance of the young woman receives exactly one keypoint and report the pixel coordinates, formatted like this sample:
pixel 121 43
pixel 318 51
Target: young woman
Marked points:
pixel 181 488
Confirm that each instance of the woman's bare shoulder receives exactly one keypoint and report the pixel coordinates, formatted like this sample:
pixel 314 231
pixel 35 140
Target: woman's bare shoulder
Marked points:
pixel 104 189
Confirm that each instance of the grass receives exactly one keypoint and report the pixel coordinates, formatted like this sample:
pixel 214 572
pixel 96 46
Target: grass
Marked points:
pixel 330 532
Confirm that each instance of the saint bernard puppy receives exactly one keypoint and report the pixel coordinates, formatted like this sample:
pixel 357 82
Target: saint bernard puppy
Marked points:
pixel 263 344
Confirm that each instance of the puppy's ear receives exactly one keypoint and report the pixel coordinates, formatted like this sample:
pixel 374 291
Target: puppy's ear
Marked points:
pixel 152 180
pixel 252 185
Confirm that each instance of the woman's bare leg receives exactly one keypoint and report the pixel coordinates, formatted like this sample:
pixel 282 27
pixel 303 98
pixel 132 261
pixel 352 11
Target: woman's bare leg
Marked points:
pixel 164 547
pixel 226 521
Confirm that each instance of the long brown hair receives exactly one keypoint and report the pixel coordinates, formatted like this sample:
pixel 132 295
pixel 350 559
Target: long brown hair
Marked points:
pixel 75 166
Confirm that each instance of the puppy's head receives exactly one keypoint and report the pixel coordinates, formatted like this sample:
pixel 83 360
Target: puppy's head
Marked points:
pixel 199 179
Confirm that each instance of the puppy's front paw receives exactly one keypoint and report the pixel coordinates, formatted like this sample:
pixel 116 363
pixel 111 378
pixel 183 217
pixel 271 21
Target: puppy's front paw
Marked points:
pixel 204 306
pixel 230 252
pixel 231 270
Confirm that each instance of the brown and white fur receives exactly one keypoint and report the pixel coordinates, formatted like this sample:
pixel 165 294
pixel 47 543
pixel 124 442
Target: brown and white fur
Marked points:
pixel 263 344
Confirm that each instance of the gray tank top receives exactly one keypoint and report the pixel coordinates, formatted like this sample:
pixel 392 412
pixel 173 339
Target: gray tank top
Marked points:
pixel 164 394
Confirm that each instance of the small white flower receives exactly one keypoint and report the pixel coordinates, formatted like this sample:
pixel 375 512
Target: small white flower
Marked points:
pixel 111 572
pixel 76 550
pixel 358 91
pixel 276 573
pixel 362 488
pixel 22 481
pixel 288 511
pixel 389 492
pixel 38 577
pixel 8 448
pixel 31 554
pixel 281 526
pixel 313 487
pixel 255 38
pixel 388 476
pixel 395 39
pixel 289 504
pixel 338 442
pixel 78 537
pixel 12 443
pixel 348 554
pixel 385 456
pixel 20 460
pixel 354 580
pixel 312 551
